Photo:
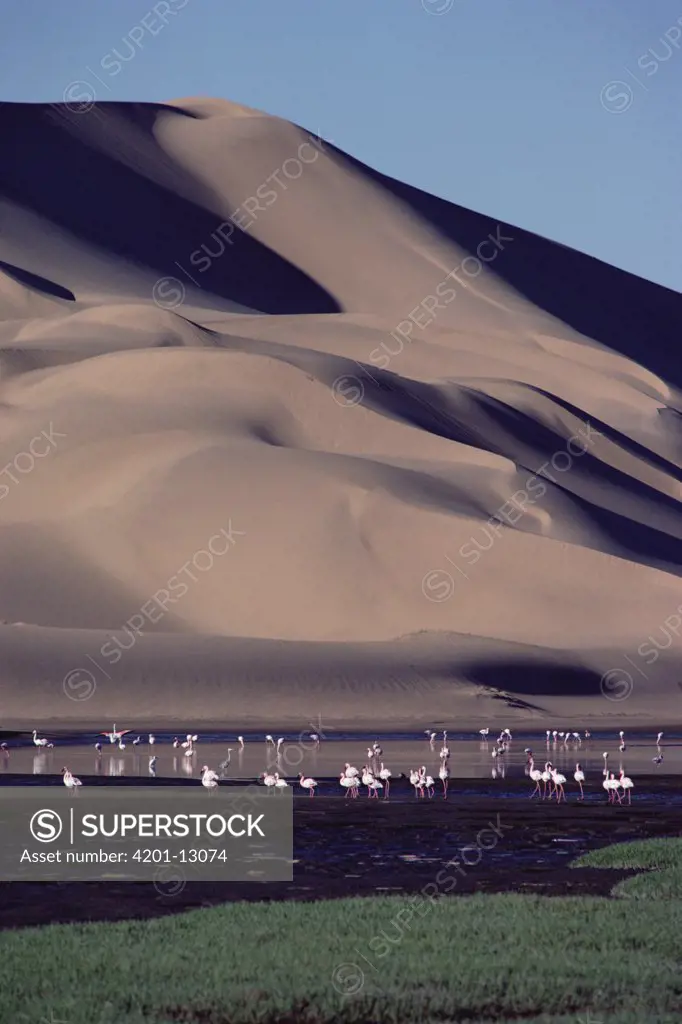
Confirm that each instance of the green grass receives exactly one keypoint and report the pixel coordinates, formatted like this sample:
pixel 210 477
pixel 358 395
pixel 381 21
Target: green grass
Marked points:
pixel 644 853
pixel 659 859
pixel 652 885
pixel 475 959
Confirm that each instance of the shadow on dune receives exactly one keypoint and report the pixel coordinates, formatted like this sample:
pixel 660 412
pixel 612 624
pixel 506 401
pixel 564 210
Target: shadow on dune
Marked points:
pixel 648 543
pixel 628 314
pixel 533 678
pixel 36 282
pixel 55 173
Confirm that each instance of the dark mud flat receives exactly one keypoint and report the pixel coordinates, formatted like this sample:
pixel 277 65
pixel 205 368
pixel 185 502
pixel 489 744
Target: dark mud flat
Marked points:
pixel 360 847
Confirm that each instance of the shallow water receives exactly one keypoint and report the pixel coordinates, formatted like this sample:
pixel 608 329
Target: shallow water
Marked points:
pixel 469 759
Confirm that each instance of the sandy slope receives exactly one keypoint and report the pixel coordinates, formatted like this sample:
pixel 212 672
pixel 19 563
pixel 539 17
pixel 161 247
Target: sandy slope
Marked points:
pixel 283 437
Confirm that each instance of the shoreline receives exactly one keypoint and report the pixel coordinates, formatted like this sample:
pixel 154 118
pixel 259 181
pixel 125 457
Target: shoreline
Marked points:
pixel 316 722
pixel 403 846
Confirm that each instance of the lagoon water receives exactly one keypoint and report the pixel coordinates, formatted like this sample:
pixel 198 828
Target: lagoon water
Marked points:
pixel 469 758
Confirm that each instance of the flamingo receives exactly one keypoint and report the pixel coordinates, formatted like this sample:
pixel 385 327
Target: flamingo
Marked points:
pixel 281 784
pixel 579 776
pixel 376 749
pixel 190 752
pixel 611 785
pixel 269 739
pixel 279 743
pixel 657 759
pixel 627 785
pixel 152 765
pixel 385 776
pixel 268 780
pixel 588 734
pixel 605 771
pixel 536 777
pixel 374 787
pixel 548 735
pixel 176 742
pixel 546 777
pixel 5 751
pixel 240 741
pixel 350 784
pixel 444 776
pixel 484 732
pixel 152 739
pixel 308 784
pixel 115 735
pixel 40 741
pixel 431 737
pixel 416 781
pixel 189 741
pixel 427 781
pixel 559 780
pixel 445 752
pixel 349 771
pixel 316 739
pixel 209 779
pixel 224 765
pixel 121 744
pixel 658 739
pixel 371 783
pixel 70 781
pixel 98 748
pixel 136 741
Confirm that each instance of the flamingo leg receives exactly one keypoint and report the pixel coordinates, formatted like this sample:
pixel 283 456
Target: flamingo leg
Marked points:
pixel 582 795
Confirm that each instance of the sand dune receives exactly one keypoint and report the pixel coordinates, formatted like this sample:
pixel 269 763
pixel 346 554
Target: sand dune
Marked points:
pixel 284 437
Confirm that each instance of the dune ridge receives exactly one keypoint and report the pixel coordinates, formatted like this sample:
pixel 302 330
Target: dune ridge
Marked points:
pixel 444 451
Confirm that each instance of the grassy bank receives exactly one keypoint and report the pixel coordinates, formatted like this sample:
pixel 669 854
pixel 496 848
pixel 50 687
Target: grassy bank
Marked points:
pixel 479 958
pixel 660 862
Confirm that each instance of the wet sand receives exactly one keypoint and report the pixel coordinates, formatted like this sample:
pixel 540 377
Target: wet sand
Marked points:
pixel 469 759
pixel 357 848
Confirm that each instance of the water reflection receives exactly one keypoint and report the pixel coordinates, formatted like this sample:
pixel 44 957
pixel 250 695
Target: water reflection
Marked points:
pixel 469 758
pixel 117 765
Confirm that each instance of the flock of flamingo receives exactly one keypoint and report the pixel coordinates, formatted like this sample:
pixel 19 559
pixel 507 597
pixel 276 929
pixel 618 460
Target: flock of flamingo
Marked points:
pixel 376 777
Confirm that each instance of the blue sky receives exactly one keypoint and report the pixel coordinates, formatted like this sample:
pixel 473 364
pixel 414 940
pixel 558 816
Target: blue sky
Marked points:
pixel 503 106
